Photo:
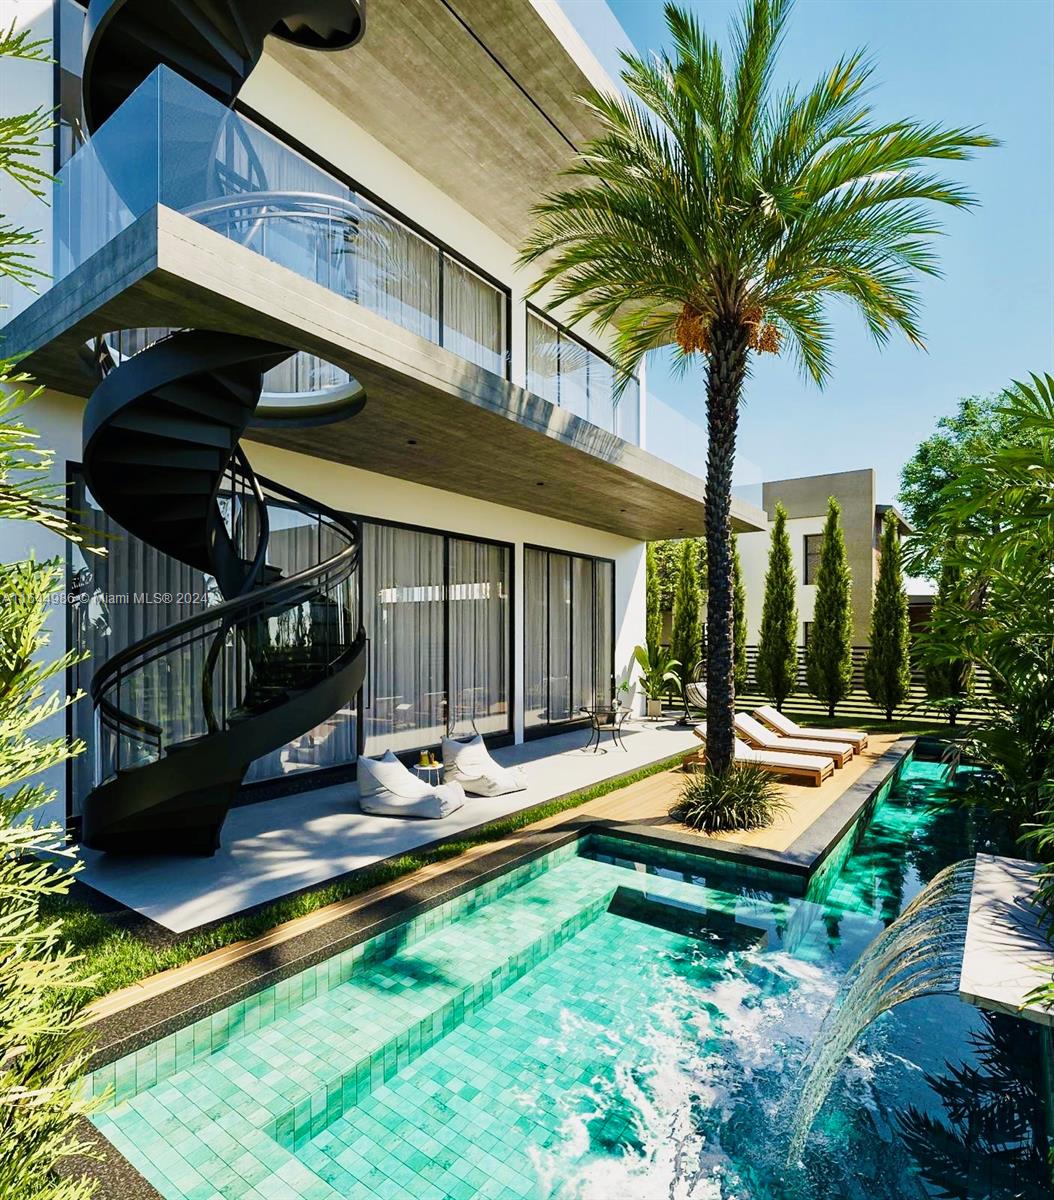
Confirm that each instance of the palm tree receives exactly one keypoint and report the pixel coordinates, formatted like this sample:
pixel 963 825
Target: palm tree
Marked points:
pixel 716 215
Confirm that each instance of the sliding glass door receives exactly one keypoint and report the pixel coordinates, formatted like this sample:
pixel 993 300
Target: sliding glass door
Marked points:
pixel 568 635
pixel 437 610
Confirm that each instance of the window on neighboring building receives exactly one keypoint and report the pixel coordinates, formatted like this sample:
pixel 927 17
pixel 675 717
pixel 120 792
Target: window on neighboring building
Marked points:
pixel 812 556
pixel 569 648
pixel 806 633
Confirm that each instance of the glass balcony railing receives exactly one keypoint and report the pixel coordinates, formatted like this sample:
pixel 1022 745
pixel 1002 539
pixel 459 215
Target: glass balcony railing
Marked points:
pixel 567 373
pixel 173 145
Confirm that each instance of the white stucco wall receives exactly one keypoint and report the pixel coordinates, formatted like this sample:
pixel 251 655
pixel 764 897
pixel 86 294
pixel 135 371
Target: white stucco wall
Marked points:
pixel 754 556
pixel 57 418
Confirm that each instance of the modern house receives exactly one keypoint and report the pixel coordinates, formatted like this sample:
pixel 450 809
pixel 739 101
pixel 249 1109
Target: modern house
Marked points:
pixel 805 500
pixel 357 491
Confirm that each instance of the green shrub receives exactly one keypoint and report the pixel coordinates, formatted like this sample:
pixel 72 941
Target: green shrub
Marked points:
pixel 776 668
pixel 743 797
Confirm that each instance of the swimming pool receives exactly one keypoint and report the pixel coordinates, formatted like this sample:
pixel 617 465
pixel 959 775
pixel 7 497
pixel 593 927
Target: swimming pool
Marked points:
pixel 612 1021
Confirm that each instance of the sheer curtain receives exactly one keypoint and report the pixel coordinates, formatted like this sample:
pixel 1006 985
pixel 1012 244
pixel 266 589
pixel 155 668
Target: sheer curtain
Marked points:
pixel 568 635
pixel 536 637
pixel 543 358
pixel 478 599
pixel 398 273
pixel 405 615
pixel 473 317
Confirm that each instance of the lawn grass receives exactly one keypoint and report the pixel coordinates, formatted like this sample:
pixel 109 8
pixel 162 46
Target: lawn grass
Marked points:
pixel 113 958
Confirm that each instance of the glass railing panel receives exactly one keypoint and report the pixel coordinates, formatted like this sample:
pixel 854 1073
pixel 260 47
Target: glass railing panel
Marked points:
pixel 474 317
pixel 543 358
pixel 109 183
pixel 627 413
pixel 172 144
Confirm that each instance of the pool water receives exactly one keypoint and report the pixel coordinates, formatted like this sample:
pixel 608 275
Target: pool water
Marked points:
pixel 615 1022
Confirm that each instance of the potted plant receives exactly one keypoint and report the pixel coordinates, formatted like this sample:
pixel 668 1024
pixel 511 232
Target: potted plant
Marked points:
pixel 659 668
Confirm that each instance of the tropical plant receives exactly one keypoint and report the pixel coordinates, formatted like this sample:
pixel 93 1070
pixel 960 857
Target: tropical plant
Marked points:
pixel 42 993
pixel 776 667
pixel 996 522
pixel 887 667
pixel 829 654
pixel 687 622
pixel 949 683
pixel 979 426
pixel 740 670
pixel 719 215
pixel 658 669
pixel 743 797
pixel 652 604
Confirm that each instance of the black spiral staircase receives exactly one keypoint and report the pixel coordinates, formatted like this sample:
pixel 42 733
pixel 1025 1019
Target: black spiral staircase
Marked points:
pixel 181 714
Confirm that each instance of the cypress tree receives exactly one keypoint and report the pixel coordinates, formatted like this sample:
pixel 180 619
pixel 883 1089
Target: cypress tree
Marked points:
pixel 829 654
pixel 739 621
pixel 687 621
pixel 777 664
pixel 949 682
pixel 653 603
pixel 887 672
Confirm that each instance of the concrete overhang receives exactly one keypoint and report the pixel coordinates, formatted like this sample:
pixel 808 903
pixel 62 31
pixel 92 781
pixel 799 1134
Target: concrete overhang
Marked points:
pixel 479 95
pixel 476 434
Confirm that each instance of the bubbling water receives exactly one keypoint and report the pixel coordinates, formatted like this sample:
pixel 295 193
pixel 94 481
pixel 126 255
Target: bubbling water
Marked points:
pixel 920 954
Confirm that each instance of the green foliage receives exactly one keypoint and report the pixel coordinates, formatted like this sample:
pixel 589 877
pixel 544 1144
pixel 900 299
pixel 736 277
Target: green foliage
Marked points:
pixel 829 655
pixel 742 797
pixel 996 521
pixel 653 605
pixel 739 621
pixel 719 214
pixel 777 662
pixel 709 189
pixel 979 426
pixel 42 989
pixel 949 682
pixel 887 667
pixel 686 639
pixel 659 669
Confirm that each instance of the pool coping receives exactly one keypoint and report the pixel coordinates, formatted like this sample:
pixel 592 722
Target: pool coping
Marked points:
pixel 123 1031
pixel 808 852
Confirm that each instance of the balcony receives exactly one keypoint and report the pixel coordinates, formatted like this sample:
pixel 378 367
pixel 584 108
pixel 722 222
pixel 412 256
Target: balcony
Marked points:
pixel 170 144
pixel 182 214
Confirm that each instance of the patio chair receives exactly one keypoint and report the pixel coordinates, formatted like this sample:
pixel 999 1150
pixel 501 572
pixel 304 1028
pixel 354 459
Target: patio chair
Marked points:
pixel 695 693
pixel 388 789
pixel 813 767
pixel 787 728
pixel 762 738
pixel 469 765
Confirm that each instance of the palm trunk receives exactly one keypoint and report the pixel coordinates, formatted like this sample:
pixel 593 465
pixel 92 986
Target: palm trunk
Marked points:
pixel 724 386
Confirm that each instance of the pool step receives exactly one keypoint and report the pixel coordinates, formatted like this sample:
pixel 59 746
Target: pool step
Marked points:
pixel 260 1097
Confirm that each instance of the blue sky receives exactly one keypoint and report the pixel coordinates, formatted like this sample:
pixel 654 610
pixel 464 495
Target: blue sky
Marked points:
pixel 991 317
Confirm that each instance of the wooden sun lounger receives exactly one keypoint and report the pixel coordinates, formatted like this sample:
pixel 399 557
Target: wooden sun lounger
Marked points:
pixel 784 726
pixel 762 738
pixel 815 768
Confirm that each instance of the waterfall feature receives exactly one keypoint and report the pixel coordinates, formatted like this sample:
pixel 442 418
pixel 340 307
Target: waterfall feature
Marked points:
pixel 920 954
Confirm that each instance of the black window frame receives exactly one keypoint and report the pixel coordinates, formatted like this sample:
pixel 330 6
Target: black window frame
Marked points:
pixel 265 789
pixel 806 558
pixel 549 728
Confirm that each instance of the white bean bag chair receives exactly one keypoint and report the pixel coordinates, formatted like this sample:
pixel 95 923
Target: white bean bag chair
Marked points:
pixel 388 789
pixel 470 765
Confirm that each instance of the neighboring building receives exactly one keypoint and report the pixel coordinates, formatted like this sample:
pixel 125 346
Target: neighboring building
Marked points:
pixel 805 500
pixel 314 257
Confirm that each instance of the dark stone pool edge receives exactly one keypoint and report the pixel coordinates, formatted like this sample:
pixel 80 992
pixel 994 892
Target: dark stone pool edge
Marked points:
pixel 123 1032
pixel 803 858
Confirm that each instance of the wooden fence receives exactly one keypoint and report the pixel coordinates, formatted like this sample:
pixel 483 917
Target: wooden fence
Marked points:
pixel 857 703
